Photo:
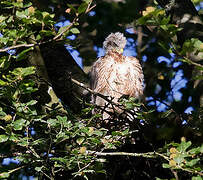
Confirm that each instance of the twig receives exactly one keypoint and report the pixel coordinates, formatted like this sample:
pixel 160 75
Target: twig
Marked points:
pixel 190 171
pixel 66 29
pixel 175 174
pixel 13 170
pixel 146 155
pixel 90 90
pixel 108 99
pixel 191 62
pixel 90 8
pixel 139 42
pixel 17 46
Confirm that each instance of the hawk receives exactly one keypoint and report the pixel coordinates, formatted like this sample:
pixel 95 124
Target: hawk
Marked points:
pixel 115 75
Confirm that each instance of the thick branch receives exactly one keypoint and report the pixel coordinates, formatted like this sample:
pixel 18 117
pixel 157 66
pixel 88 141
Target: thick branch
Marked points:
pixel 36 59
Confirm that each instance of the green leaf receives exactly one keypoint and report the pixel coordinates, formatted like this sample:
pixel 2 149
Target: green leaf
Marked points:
pixel 62 120
pixel 165 21
pixel 197 178
pixel 192 162
pixel 4 40
pixel 87 1
pixel 166 113
pixel 4 175
pixel 19 124
pixel 23 142
pixel 98 133
pixel 80 140
pixel 46 33
pixel 3 138
pixel 70 6
pixel 21 14
pixel 183 146
pixel 22 72
pixel 2 113
pixel 23 54
pixel 75 31
pixel 164 165
pixel 142 20
pixel 201 148
pixel 38 169
pixel 2 83
pixel 82 8
pixel 195 150
pixel 14 138
pixel 4 62
pixel 31 103
pixel 52 122
pixel 179 158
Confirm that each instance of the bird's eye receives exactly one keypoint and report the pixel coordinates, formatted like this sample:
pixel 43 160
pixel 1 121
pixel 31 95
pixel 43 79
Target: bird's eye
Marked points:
pixel 111 43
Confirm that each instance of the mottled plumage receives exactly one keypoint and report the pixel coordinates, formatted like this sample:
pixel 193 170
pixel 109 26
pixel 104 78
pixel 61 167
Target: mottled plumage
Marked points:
pixel 116 75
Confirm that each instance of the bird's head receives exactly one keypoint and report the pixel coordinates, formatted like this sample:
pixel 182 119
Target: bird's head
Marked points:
pixel 115 42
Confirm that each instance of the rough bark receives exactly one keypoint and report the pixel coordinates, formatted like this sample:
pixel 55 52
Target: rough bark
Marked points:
pixel 61 67
pixel 46 95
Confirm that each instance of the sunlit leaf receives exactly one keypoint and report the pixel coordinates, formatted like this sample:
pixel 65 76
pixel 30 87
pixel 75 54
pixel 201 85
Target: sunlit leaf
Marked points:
pixel 75 31
pixel 3 138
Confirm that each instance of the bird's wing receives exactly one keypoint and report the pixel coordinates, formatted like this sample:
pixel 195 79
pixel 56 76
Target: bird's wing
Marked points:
pixel 94 73
pixel 137 76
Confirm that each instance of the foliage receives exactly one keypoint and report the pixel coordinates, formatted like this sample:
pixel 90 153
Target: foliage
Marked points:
pixel 180 158
pixel 49 143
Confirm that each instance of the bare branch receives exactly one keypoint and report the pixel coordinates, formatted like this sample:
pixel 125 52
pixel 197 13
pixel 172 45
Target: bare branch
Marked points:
pixel 17 46
pixel 146 155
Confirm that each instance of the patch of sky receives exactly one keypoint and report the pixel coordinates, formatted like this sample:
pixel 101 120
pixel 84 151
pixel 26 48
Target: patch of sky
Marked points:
pixel 176 64
pixel 32 131
pixel 130 48
pixel 62 23
pixel 50 155
pixel 177 95
pixel 100 51
pixel 21 176
pixel 189 110
pixel 72 37
pixel 199 7
pixel 190 99
pixel 91 13
pixel 164 59
pixel 12 51
pixel 7 161
pixel 130 30
pixel 158 89
pixel 161 107
pixel 75 54
pixel 178 81
pixel 150 101
pixel 169 97
pixel 144 58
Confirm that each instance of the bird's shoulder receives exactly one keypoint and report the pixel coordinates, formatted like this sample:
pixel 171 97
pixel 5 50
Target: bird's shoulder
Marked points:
pixel 102 61
pixel 132 59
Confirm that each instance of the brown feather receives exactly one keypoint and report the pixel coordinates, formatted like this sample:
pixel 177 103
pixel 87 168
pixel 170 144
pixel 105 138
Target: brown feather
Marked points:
pixel 116 75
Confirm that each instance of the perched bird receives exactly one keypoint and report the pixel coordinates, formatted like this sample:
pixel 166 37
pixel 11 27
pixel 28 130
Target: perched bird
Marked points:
pixel 115 75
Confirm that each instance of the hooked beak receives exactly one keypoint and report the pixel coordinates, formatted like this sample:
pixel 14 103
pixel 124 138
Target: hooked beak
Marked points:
pixel 121 51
